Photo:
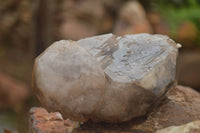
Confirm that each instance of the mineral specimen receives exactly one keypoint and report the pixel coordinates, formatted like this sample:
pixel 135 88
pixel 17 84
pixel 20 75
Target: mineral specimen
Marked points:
pixel 105 78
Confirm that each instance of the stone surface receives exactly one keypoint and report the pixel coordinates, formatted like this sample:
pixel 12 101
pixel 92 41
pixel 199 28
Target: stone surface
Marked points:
pixel 105 78
pixel 42 121
pixel 192 127
pixel 132 19
pixel 181 107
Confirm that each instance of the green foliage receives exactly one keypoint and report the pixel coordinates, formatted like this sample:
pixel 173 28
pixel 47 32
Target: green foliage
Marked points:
pixel 177 11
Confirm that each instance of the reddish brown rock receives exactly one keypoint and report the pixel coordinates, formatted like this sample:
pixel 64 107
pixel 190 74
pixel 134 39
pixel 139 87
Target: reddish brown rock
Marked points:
pixel 132 19
pixel 43 122
pixel 12 92
pixel 181 107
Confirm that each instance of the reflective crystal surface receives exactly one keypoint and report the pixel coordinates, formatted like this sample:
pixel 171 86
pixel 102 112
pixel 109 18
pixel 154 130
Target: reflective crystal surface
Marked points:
pixel 105 78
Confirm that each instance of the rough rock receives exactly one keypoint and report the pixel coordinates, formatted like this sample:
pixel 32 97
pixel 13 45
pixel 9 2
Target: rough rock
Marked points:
pixel 181 107
pixel 42 121
pixel 105 78
pixel 132 19
pixel 192 127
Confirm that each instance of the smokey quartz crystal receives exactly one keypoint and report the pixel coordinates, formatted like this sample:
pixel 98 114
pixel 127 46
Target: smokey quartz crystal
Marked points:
pixel 105 78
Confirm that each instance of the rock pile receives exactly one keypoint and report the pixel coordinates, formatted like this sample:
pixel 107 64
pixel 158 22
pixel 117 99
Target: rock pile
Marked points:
pixel 180 107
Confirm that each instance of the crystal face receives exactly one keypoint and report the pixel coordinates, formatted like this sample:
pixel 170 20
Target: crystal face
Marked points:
pixel 105 78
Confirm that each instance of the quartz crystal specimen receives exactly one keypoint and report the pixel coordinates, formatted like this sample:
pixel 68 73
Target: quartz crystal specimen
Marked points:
pixel 105 78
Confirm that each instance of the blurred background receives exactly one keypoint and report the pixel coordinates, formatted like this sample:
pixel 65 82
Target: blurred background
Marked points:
pixel 27 27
